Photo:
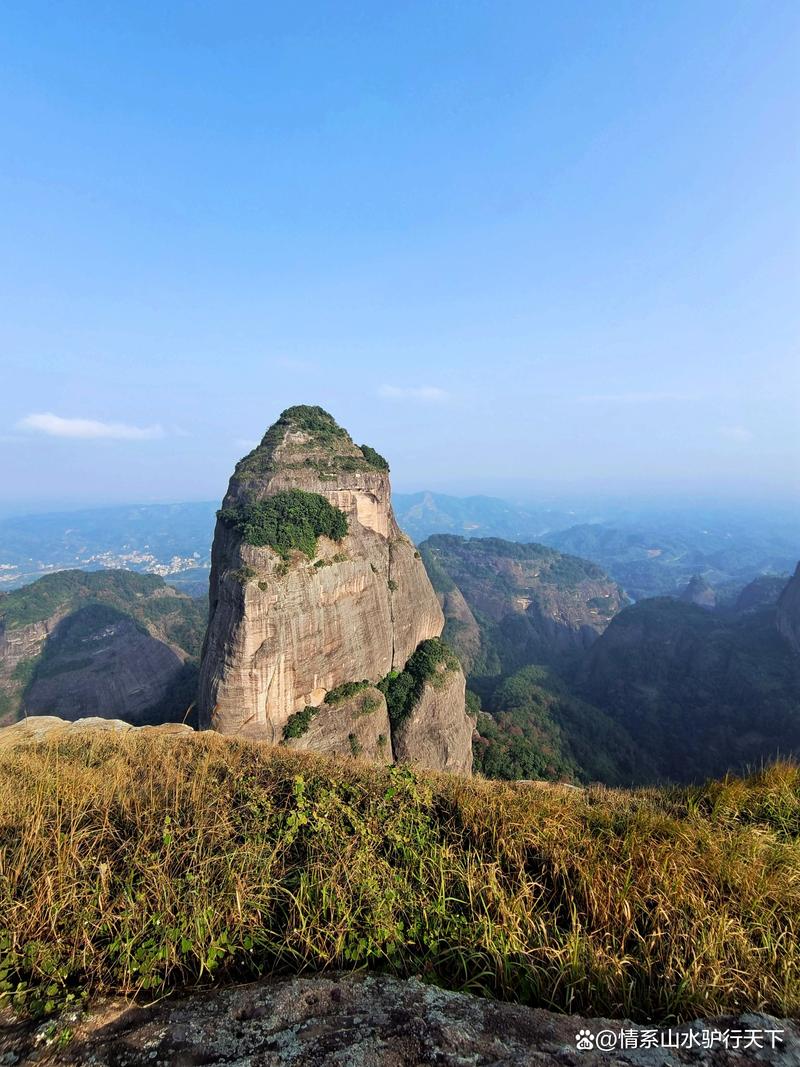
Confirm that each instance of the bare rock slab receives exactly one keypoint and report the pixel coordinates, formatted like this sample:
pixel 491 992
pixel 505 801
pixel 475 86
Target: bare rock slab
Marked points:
pixel 371 1022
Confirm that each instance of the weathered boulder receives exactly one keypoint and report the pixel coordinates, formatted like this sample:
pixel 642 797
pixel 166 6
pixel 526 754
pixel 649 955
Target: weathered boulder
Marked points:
pixel 286 626
pixel 436 732
pixel 379 1021
pixel 35 728
pixel 355 727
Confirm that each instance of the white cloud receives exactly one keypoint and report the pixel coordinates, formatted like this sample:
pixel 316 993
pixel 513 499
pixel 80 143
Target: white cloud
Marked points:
pixel 739 434
pixel 245 443
pixel 87 429
pixel 425 394
pixel 636 398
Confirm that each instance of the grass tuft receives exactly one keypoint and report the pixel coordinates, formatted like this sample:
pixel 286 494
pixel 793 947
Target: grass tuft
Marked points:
pixel 135 862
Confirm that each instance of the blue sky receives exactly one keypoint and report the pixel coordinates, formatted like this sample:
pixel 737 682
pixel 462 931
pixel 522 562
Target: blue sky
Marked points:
pixel 523 248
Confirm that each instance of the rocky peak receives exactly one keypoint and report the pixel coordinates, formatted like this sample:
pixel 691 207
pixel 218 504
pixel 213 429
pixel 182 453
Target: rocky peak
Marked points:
pixel 110 643
pixel 307 449
pixel 313 587
pixel 763 592
pixel 699 592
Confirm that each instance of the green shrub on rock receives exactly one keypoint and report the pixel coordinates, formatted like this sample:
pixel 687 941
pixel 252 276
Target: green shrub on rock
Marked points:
pixel 297 724
pixel 291 520
pixel 375 459
pixel 344 692
pixel 431 661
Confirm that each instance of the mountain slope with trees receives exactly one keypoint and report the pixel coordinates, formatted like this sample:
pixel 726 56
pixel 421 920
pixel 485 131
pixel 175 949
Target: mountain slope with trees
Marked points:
pixel 109 643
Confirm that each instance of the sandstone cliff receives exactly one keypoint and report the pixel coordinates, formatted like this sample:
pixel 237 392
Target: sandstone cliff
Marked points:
pixel 763 592
pixel 287 625
pixel 430 735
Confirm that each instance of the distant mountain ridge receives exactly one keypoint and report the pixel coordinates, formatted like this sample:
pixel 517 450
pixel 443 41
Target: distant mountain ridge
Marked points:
pixel 649 552
pixel 423 514
pixel 533 602
pixel 579 683
pixel 513 612
pixel 107 643
pixel 659 556
pixel 170 540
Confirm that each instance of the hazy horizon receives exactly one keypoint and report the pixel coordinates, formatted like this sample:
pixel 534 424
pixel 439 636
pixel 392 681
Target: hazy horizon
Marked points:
pixel 603 505
pixel 528 251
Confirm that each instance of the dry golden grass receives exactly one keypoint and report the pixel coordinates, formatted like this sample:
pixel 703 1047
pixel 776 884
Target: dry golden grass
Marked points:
pixel 143 862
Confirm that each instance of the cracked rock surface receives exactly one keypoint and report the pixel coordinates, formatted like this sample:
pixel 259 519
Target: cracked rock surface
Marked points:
pixel 357 1021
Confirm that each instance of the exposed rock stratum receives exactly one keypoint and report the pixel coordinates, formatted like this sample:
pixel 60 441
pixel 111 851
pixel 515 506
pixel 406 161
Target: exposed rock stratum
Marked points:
pixel 286 627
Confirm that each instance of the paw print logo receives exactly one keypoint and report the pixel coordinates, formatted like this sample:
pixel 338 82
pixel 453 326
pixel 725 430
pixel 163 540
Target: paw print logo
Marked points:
pixel 584 1040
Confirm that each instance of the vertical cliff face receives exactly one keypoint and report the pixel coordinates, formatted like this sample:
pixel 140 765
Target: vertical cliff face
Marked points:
pixel 296 613
pixel 788 617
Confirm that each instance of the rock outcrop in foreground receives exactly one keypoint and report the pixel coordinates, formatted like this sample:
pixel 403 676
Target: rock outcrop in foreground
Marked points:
pixel 51 727
pixel 307 599
pixel 382 1022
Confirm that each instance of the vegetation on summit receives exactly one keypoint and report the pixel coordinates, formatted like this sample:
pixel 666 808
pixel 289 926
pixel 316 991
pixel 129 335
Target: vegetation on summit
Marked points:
pixel 289 521
pixel 375 459
pixel 554 568
pixel 328 450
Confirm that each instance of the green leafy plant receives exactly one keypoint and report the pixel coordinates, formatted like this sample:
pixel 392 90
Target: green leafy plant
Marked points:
pixel 339 557
pixel 369 704
pixel 345 691
pixel 243 574
pixel 143 863
pixel 375 459
pixel 296 725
